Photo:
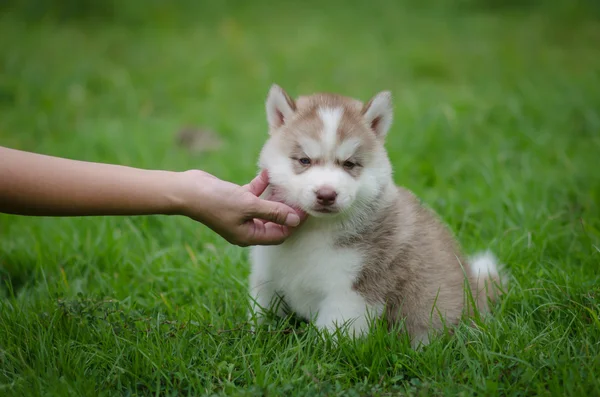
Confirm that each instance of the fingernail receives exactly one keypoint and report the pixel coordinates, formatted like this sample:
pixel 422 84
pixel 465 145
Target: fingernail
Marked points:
pixel 292 220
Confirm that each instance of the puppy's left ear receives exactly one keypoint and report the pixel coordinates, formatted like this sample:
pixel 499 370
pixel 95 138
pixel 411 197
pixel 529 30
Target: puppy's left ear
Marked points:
pixel 378 113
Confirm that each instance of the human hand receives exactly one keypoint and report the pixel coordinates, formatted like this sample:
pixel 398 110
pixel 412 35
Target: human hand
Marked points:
pixel 34 184
pixel 236 212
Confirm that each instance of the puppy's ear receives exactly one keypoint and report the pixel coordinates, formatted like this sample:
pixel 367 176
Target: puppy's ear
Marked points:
pixel 280 107
pixel 378 113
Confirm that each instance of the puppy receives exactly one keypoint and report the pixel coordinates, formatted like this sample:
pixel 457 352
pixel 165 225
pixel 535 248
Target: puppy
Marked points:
pixel 368 247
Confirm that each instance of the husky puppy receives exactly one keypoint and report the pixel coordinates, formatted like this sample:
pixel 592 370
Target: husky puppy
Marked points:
pixel 368 246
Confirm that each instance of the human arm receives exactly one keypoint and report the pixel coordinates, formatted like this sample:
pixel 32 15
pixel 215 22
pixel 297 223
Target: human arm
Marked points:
pixel 35 184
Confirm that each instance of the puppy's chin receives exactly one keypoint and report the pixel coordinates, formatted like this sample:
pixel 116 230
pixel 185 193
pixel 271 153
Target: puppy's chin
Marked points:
pixel 324 212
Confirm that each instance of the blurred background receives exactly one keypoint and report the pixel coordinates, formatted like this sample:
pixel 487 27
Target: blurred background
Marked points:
pixel 497 103
pixel 139 82
pixel 497 127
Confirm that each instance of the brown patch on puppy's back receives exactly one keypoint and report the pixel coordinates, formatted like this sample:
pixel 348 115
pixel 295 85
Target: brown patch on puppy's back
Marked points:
pixel 413 264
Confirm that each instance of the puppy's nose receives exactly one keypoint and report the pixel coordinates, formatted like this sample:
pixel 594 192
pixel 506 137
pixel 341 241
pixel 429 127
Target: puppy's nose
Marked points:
pixel 326 195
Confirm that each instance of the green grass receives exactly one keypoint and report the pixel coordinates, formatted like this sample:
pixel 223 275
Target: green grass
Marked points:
pixel 497 127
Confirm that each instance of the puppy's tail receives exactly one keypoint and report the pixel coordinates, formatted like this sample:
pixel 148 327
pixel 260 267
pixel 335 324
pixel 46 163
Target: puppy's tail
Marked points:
pixel 487 279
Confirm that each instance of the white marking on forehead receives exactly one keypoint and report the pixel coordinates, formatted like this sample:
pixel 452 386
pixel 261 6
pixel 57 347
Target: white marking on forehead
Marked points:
pixel 347 148
pixel 331 120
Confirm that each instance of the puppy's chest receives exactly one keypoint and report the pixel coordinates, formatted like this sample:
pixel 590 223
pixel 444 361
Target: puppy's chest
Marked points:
pixel 312 266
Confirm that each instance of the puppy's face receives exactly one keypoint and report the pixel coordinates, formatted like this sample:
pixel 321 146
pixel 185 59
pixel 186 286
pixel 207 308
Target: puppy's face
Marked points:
pixel 325 152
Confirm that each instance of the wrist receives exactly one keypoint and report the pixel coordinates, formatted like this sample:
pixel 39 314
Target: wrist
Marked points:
pixel 187 193
pixel 176 193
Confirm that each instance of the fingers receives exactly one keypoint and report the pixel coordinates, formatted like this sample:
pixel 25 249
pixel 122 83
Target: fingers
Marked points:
pixel 258 185
pixel 275 212
pixel 258 232
pixel 267 233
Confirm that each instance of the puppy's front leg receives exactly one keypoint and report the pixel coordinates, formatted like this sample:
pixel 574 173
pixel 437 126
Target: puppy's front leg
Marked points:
pixel 264 297
pixel 346 310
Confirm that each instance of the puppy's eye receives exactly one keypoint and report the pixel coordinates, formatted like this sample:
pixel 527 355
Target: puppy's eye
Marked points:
pixel 349 164
pixel 304 161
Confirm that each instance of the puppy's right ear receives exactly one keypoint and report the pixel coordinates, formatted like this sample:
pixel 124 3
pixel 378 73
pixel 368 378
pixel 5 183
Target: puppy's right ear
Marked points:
pixel 378 113
pixel 280 107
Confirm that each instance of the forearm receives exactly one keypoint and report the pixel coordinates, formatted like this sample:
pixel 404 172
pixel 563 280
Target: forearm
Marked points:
pixel 34 184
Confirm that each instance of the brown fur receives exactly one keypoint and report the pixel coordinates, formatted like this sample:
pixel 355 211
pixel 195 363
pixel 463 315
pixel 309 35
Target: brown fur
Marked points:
pixel 414 266
pixel 307 123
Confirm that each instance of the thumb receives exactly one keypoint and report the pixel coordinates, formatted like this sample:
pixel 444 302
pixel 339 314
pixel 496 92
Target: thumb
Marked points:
pixel 275 212
pixel 259 184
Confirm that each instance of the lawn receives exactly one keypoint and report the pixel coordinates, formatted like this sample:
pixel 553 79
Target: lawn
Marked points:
pixel 497 127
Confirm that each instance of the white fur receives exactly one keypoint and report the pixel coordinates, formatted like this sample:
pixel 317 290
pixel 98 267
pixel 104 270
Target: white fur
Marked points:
pixel 300 189
pixel 311 273
pixel 331 120
pixel 484 264
pixel 314 277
